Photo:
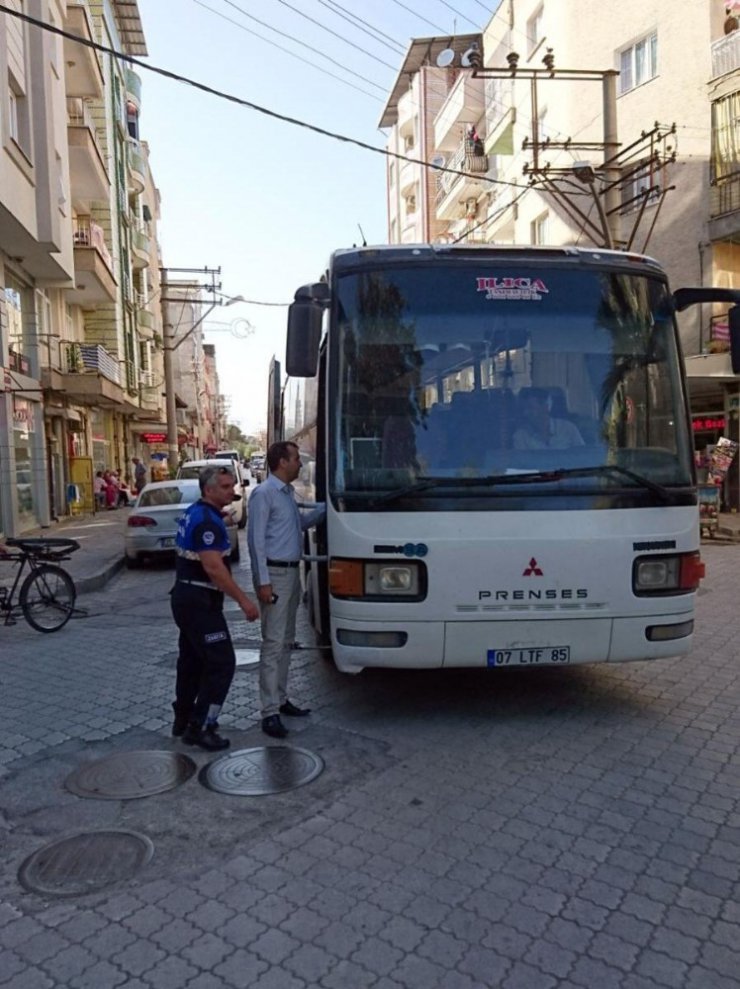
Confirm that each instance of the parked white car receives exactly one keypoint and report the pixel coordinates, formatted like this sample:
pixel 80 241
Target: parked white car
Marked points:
pixel 151 527
pixel 192 468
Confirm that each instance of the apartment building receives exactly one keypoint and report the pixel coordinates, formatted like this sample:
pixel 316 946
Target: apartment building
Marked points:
pixel 676 192
pixel 80 328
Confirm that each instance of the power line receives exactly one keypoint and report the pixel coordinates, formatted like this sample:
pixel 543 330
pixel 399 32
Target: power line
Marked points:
pixel 460 14
pixel 352 19
pixel 300 58
pixel 329 30
pixel 420 16
pixel 273 114
pixel 377 30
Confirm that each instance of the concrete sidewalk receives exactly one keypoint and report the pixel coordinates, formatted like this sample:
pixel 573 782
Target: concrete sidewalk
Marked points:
pixel 101 539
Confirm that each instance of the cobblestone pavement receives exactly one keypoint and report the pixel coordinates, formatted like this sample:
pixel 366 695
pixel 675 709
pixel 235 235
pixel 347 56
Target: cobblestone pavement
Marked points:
pixel 541 830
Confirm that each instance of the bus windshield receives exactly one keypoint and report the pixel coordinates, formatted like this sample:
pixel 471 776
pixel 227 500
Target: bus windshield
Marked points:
pixel 479 371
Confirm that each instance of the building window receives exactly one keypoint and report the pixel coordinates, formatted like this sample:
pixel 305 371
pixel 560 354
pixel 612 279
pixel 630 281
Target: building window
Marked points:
pixel 645 178
pixel 638 64
pixel 535 30
pixel 18 122
pixel 539 229
pixel 725 138
pixel 13 115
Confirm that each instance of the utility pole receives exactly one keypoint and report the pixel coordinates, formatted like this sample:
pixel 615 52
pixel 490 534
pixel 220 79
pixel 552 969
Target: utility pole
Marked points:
pixel 170 345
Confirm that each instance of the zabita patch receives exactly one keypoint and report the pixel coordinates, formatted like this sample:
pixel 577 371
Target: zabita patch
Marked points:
pixel 209 538
pixel 215 637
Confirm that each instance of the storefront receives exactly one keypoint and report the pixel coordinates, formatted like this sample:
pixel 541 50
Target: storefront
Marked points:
pixel 714 394
pixel 28 471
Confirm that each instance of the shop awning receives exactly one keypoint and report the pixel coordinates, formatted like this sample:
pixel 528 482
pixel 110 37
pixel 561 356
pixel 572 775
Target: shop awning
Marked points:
pixel 709 374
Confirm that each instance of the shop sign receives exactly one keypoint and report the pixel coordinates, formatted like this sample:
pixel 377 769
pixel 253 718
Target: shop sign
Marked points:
pixel 23 419
pixel 701 424
pixel 154 437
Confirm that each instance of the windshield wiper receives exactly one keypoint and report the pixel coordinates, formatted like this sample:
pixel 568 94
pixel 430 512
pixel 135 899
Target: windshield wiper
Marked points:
pixel 488 480
pixel 604 469
pixel 525 477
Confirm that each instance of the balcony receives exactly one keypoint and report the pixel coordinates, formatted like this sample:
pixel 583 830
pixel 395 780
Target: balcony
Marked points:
pixel 726 54
pixel 82 73
pixel 724 198
pixel 88 175
pixel 92 374
pixel 145 324
pixel 463 104
pixel 133 88
pixel 454 189
pixel 94 280
pixel 136 165
pixel 140 243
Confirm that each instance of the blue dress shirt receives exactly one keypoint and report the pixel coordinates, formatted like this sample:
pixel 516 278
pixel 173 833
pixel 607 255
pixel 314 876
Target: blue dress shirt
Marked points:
pixel 275 526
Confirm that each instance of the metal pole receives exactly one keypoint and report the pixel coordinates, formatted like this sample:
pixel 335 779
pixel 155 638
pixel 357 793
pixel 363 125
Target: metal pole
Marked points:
pixel 173 450
pixel 611 169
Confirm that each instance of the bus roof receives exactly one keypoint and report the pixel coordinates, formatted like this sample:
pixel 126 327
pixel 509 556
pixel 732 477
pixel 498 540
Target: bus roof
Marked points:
pixel 348 258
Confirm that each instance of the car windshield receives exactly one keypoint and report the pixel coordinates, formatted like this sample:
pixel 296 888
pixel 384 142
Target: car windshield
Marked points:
pixel 193 472
pixel 171 495
pixel 474 371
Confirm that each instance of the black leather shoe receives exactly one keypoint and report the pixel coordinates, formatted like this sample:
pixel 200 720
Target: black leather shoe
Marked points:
pixel 205 738
pixel 180 723
pixel 293 711
pixel 274 727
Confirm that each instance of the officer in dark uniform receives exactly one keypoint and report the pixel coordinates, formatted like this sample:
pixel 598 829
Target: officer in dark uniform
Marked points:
pixel 206 662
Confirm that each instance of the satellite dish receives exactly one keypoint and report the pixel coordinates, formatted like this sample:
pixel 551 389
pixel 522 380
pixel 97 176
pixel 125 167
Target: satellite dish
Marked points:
pixel 471 58
pixel 446 57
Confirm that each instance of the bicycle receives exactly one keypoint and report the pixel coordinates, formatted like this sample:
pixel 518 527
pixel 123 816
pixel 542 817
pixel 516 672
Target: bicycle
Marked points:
pixel 46 598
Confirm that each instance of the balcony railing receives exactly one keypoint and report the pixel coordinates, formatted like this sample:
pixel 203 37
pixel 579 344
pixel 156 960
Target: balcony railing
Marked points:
pixel 80 358
pixel 725 196
pixel 726 54
pixel 467 158
pixel 88 233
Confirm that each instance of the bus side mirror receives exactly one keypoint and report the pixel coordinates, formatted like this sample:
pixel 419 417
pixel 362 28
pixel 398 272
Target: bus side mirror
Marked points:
pixel 304 337
pixel 734 320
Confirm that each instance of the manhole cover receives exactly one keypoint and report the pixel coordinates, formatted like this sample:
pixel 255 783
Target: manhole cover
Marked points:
pixel 85 863
pixel 255 772
pixel 128 775
pixel 247 657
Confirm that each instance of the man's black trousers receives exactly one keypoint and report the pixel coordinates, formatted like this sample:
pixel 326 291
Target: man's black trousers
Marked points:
pixel 206 664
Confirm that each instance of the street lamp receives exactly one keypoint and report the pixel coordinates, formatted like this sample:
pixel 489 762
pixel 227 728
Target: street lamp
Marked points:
pixel 169 347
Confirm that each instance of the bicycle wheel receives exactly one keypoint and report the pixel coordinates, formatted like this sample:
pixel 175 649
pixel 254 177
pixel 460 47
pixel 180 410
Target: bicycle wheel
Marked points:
pixel 47 598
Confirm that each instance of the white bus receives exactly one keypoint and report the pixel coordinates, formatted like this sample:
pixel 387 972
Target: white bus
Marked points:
pixel 502 438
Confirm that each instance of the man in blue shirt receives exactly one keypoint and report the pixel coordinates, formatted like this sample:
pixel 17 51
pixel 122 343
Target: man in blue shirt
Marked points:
pixel 206 661
pixel 275 537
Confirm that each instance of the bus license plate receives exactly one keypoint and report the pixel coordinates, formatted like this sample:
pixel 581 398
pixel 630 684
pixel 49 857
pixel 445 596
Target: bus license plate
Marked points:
pixel 167 542
pixel 535 656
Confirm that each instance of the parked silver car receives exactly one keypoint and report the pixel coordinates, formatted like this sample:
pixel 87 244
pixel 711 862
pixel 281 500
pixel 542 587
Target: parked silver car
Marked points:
pixel 151 527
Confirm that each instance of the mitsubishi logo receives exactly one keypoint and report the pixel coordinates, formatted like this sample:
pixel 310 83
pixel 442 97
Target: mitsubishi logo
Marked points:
pixel 532 570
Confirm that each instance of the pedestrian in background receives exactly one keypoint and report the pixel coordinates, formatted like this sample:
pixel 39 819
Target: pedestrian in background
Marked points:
pixel 275 537
pixel 206 660
pixel 99 489
pixel 139 474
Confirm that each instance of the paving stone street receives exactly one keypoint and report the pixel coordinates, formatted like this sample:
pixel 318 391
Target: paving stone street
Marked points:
pixel 547 829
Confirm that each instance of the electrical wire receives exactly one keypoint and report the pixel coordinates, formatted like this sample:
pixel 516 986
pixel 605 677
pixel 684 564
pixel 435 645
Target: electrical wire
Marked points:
pixel 300 58
pixel 421 17
pixel 239 101
pixel 323 27
pixel 368 28
pixel 460 14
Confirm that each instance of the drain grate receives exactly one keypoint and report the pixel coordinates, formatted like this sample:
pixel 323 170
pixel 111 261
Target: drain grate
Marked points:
pixel 85 862
pixel 257 772
pixel 130 775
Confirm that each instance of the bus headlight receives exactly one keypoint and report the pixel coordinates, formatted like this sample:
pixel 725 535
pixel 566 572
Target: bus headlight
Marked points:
pixel 377 580
pixel 678 574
